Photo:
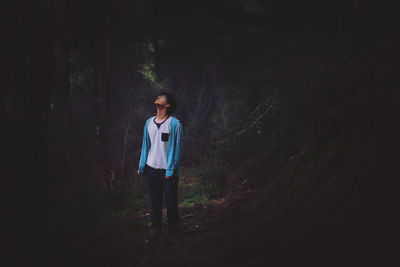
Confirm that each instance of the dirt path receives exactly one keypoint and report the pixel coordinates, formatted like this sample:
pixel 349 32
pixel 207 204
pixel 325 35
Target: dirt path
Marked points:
pixel 122 241
pixel 199 224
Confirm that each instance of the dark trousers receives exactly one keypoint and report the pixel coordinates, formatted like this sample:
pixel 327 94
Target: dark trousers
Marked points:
pixel 159 185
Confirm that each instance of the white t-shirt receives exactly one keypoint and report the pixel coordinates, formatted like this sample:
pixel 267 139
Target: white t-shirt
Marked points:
pixel 159 137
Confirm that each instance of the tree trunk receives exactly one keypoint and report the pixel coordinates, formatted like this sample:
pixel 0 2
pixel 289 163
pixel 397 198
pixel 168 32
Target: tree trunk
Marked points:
pixel 61 124
pixel 104 86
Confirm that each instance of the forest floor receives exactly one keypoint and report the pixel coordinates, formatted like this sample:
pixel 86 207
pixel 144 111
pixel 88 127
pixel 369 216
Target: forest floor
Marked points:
pixel 121 239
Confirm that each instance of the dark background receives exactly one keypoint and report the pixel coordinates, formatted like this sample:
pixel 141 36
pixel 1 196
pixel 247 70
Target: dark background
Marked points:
pixel 307 89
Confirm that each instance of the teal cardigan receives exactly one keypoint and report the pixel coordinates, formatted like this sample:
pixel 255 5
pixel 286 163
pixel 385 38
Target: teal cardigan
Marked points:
pixel 174 152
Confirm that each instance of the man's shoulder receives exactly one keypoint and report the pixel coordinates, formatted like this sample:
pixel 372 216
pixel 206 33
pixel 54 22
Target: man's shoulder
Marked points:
pixel 175 120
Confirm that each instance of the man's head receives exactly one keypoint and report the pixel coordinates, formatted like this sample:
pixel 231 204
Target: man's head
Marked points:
pixel 167 100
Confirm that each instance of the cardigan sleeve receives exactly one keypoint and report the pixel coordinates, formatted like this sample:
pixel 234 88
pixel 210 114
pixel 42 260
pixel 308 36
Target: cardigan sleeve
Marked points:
pixel 178 144
pixel 174 154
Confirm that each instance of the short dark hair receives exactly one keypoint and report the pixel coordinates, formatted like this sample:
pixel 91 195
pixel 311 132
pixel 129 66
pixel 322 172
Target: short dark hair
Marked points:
pixel 170 100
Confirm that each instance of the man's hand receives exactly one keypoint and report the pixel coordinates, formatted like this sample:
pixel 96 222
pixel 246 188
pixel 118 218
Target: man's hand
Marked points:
pixel 167 177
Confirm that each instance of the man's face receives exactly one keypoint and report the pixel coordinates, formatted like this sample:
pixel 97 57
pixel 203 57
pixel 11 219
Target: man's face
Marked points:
pixel 161 100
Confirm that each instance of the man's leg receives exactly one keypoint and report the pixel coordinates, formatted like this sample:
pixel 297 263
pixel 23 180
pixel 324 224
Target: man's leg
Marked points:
pixel 155 184
pixel 171 198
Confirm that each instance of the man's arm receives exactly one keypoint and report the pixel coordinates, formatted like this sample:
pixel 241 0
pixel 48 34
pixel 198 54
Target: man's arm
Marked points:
pixel 178 138
pixel 178 145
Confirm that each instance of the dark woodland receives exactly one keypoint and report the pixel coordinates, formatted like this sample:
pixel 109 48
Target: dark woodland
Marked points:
pixel 290 111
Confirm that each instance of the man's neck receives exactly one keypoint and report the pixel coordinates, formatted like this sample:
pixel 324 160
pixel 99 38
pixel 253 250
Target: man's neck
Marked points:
pixel 161 114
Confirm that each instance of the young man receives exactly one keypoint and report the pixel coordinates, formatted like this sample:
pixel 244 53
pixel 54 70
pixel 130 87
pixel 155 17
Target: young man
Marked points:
pixel 159 160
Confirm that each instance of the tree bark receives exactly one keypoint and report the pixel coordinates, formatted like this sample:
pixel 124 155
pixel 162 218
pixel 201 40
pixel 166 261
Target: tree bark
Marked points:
pixel 61 123
pixel 104 94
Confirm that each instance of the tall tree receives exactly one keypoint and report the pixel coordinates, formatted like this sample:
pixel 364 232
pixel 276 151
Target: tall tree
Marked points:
pixel 61 121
